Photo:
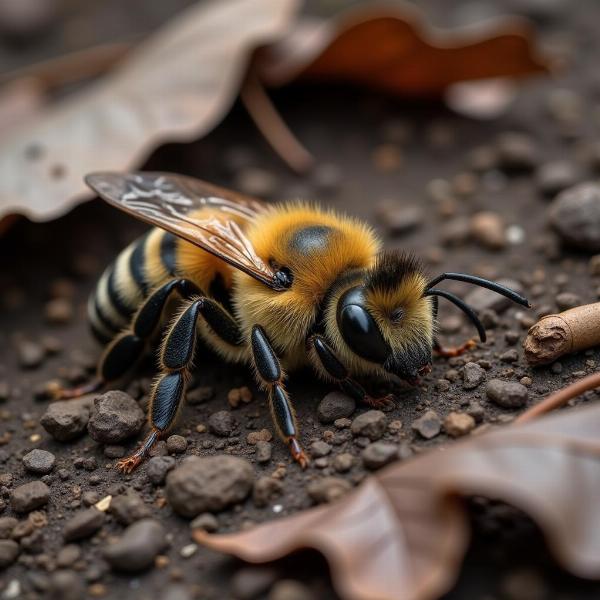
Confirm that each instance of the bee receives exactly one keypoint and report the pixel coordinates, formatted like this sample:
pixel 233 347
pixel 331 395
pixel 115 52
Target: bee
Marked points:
pixel 276 287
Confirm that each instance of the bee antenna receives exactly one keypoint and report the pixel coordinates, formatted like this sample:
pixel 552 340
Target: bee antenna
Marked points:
pixel 481 282
pixel 471 314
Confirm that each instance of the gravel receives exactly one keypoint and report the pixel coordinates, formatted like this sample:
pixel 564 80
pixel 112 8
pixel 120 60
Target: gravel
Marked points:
pixel 29 496
pixel 67 420
pixel 206 521
pixel 457 424
pixel 378 454
pixel 264 451
pixel 115 417
pixel 83 525
pixel 428 425
pixel 176 444
pixel 473 376
pixel 158 467
pixel 507 394
pixel 39 461
pixel 327 489
pixel 265 490
pixel 222 423
pixel 371 424
pixel 9 551
pixel 319 449
pixel 129 507
pixel 208 484
pixel 335 405
pixel 138 546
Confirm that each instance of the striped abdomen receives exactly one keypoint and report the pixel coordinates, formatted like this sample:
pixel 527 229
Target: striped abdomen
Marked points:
pixel 143 265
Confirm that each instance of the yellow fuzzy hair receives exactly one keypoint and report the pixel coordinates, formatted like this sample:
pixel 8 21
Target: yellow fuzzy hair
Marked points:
pixel 286 316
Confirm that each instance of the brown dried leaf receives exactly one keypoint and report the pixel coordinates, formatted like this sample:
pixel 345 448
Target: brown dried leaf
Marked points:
pixel 174 87
pixel 393 49
pixel 405 528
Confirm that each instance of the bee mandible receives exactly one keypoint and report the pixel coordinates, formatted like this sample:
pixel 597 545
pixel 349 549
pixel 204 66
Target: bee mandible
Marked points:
pixel 273 286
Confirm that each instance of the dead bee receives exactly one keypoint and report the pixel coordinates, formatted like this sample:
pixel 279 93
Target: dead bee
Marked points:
pixel 277 287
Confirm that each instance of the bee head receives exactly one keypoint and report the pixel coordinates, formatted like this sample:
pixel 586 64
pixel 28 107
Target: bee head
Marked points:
pixel 387 320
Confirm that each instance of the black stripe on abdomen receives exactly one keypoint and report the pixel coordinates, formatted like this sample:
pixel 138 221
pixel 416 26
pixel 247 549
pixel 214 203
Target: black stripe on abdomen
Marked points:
pixel 137 264
pixel 168 257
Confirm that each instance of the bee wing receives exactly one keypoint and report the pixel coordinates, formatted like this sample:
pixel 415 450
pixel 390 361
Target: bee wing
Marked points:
pixel 173 202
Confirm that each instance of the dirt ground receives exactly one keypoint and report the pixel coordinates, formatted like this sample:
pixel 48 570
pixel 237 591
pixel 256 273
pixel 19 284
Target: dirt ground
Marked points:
pixel 373 151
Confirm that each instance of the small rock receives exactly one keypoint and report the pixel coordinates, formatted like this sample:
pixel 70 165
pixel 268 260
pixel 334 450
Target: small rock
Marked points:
pixel 517 152
pixel 476 411
pixel 115 417
pixel 335 405
pixel 264 435
pixel 575 214
pixel 176 444
pixel 510 356
pixel 371 424
pixel 208 484
pixel 7 524
pixel 68 419
pixel 327 489
pixel 68 555
pixel 290 589
pixel 429 425
pixel 39 461
pixel 481 299
pixel 206 521
pixel 507 394
pixel 319 449
pixel 59 311
pixel 473 375
pixel 566 300
pixel 222 423
pixel 199 395
pixel 263 451
pixel 489 230
pixel 9 550
pixel 378 454
pixel 158 467
pixel 237 396
pixel 457 424
pixel 66 585
pixel 250 583
pixel 399 219
pixel 556 176
pixel 265 490
pixel 138 546
pixel 343 462
pixel 129 507
pixel 29 354
pixel 84 524
pixel 29 496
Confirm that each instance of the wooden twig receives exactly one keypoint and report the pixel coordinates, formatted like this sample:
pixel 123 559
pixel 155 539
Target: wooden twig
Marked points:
pixel 559 398
pixel 272 126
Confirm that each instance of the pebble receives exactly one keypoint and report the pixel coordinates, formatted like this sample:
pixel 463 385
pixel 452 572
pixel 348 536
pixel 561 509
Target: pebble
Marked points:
pixel 222 423
pixel 575 214
pixel 517 152
pixel 400 219
pixel 29 354
pixel 59 311
pixel 208 484
pixel 343 462
pixel 66 585
pixel 83 525
pixel 566 300
pixel 476 411
pixel 327 489
pixel 68 555
pixel 176 444
pixel 319 449
pixel 138 546
pixel 556 176
pixel 489 230
pixel 290 589
pixel 457 424
pixel 39 461
pixel 264 435
pixel 429 425
pixel 473 375
pixel 9 550
pixel 378 454
pixel 158 467
pixel 509 356
pixel 29 496
pixel 265 490
pixel 206 521
pixel 237 396
pixel 335 405
pixel 371 424
pixel 263 452
pixel 250 583
pixel 115 417
pixel 7 524
pixel 507 394
pixel 481 299
pixel 129 507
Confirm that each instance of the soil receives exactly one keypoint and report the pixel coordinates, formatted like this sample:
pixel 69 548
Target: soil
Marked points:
pixel 373 153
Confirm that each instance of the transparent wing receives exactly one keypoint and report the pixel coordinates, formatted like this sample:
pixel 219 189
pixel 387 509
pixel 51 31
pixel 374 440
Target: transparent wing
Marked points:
pixel 175 203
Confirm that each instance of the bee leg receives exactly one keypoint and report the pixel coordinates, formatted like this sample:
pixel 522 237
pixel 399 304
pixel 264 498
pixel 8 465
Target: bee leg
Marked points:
pixel 271 376
pixel 176 357
pixel 320 350
pixel 128 346
pixel 448 351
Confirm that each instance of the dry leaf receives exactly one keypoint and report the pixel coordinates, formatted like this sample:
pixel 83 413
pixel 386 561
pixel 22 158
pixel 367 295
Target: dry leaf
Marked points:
pixel 175 87
pixel 404 531
pixel 393 49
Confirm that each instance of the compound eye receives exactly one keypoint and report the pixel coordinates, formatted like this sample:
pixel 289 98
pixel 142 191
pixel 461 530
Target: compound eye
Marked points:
pixel 359 329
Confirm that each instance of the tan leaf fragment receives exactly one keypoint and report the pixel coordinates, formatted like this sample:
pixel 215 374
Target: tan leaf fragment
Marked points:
pixel 403 532
pixel 174 87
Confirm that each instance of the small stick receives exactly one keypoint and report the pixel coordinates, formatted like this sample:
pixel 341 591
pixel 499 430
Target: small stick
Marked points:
pixel 554 336
pixel 559 398
pixel 273 128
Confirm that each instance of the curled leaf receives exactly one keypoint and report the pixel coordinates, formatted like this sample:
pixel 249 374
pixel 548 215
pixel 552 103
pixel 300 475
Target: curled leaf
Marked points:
pixel 403 532
pixel 174 87
pixel 393 49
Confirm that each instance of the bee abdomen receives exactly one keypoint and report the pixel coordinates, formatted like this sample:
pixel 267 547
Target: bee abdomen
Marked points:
pixel 145 264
